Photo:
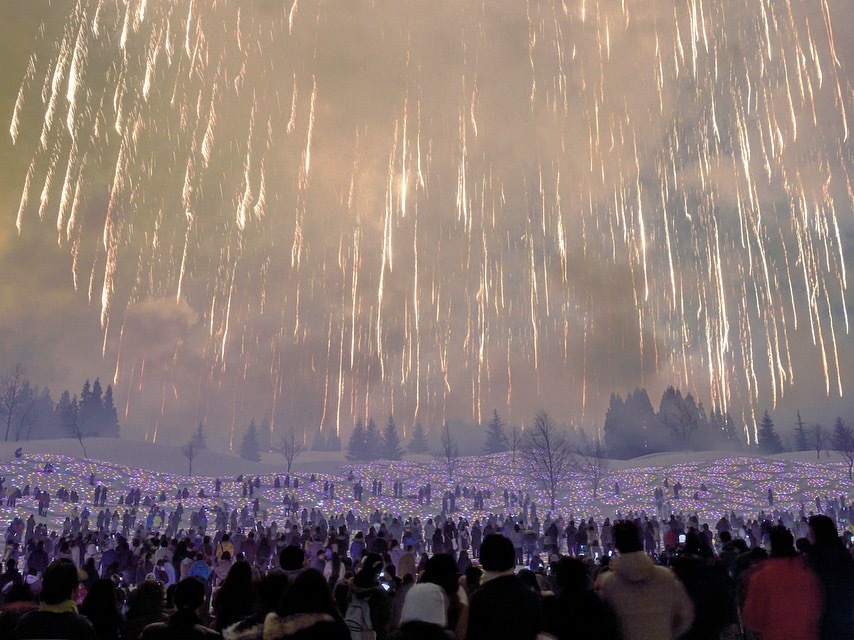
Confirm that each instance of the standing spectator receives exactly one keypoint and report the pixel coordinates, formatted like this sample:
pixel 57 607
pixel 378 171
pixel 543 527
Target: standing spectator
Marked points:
pixel 770 609
pixel 649 601
pixel 101 606
pixel 189 596
pixel 234 600
pixel 306 612
pixel 577 612
pixel 57 616
pixel 145 606
pixel 502 607
pixel 835 569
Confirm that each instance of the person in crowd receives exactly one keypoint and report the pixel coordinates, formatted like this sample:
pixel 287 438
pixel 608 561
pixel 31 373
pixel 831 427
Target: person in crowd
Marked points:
pixel 575 611
pixel 710 587
pixel 369 608
pixel 145 606
pixel 292 561
pixel 270 590
pixel 235 598
pixel 835 569
pixel 649 601
pixel 19 600
pixel 502 607
pixel 101 606
pixel 306 612
pixel 57 616
pixel 783 598
pixel 442 570
pixel 424 615
pixel 184 624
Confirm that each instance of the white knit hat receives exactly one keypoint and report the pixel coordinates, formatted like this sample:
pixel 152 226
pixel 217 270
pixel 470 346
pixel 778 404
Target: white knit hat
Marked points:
pixel 425 602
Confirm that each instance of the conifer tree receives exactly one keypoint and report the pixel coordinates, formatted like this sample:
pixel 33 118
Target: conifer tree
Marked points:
pixel 356 449
pixel 250 449
pixel 318 443
pixel 418 443
pixel 768 440
pixel 333 441
pixel 373 441
pixel 111 417
pixel 198 440
pixel 495 439
pixel 391 442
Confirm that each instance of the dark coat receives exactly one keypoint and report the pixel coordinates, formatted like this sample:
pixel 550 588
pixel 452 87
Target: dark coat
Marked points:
pixel 503 607
pixel 181 625
pixel 45 624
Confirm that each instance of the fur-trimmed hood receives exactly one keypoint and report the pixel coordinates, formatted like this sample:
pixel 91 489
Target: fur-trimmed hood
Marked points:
pixel 276 627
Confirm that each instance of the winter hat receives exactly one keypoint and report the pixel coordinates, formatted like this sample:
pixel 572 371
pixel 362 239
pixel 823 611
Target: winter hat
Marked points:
pixel 425 602
pixel 496 553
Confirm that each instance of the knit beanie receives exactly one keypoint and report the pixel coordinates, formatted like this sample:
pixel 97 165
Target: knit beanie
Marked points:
pixel 425 602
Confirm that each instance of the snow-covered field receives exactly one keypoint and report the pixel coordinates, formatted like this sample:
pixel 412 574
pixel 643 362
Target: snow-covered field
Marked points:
pixel 733 482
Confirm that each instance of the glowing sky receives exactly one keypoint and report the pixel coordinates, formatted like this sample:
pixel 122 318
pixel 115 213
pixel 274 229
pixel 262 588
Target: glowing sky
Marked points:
pixel 312 211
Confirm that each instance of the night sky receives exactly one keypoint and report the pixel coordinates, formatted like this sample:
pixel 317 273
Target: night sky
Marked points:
pixel 308 212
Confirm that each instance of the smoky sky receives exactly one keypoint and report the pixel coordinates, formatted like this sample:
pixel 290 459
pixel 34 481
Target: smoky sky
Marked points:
pixel 309 212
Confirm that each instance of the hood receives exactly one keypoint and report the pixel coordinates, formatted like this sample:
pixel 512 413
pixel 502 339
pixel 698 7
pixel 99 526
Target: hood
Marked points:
pixel 276 627
pixel 634 567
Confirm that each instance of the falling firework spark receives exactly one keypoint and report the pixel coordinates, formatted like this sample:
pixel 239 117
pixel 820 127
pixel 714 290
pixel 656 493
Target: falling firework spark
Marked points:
pixel 502 208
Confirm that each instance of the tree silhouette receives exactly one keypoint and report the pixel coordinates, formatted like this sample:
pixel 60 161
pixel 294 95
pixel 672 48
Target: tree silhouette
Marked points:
pixel 547 453
pixel 391 442
pixel 357 447
pixel 768 440
pixel 10 395
pixel 191 451
pixel 591 461
pixel 289 448
pixel 450 451
pixel 198 438
pixel 802 443
pixel 418 443
pixel 250 449
pixel 496 441
pixel 373 441
pixel 512 442
pixel 818 439
pixel 843 444
pixel 69 414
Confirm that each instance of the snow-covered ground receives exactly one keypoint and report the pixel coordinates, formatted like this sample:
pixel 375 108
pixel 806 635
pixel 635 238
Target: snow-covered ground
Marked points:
pixel 733 482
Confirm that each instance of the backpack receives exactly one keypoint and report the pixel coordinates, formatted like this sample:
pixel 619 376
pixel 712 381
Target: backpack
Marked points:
pixel 358 619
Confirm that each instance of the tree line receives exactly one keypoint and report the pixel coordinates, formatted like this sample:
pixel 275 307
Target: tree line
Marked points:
pixel 30 413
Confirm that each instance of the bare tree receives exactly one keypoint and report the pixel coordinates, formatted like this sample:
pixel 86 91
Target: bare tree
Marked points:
pixel 682 420
pixel 450 451
pixel 843 444
pixel 546 450
pixel 191 451
pixel 513 441
pixel 818 439
pixel 592 463
pixel 289 447
pixel 10 392
pixel 71 421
